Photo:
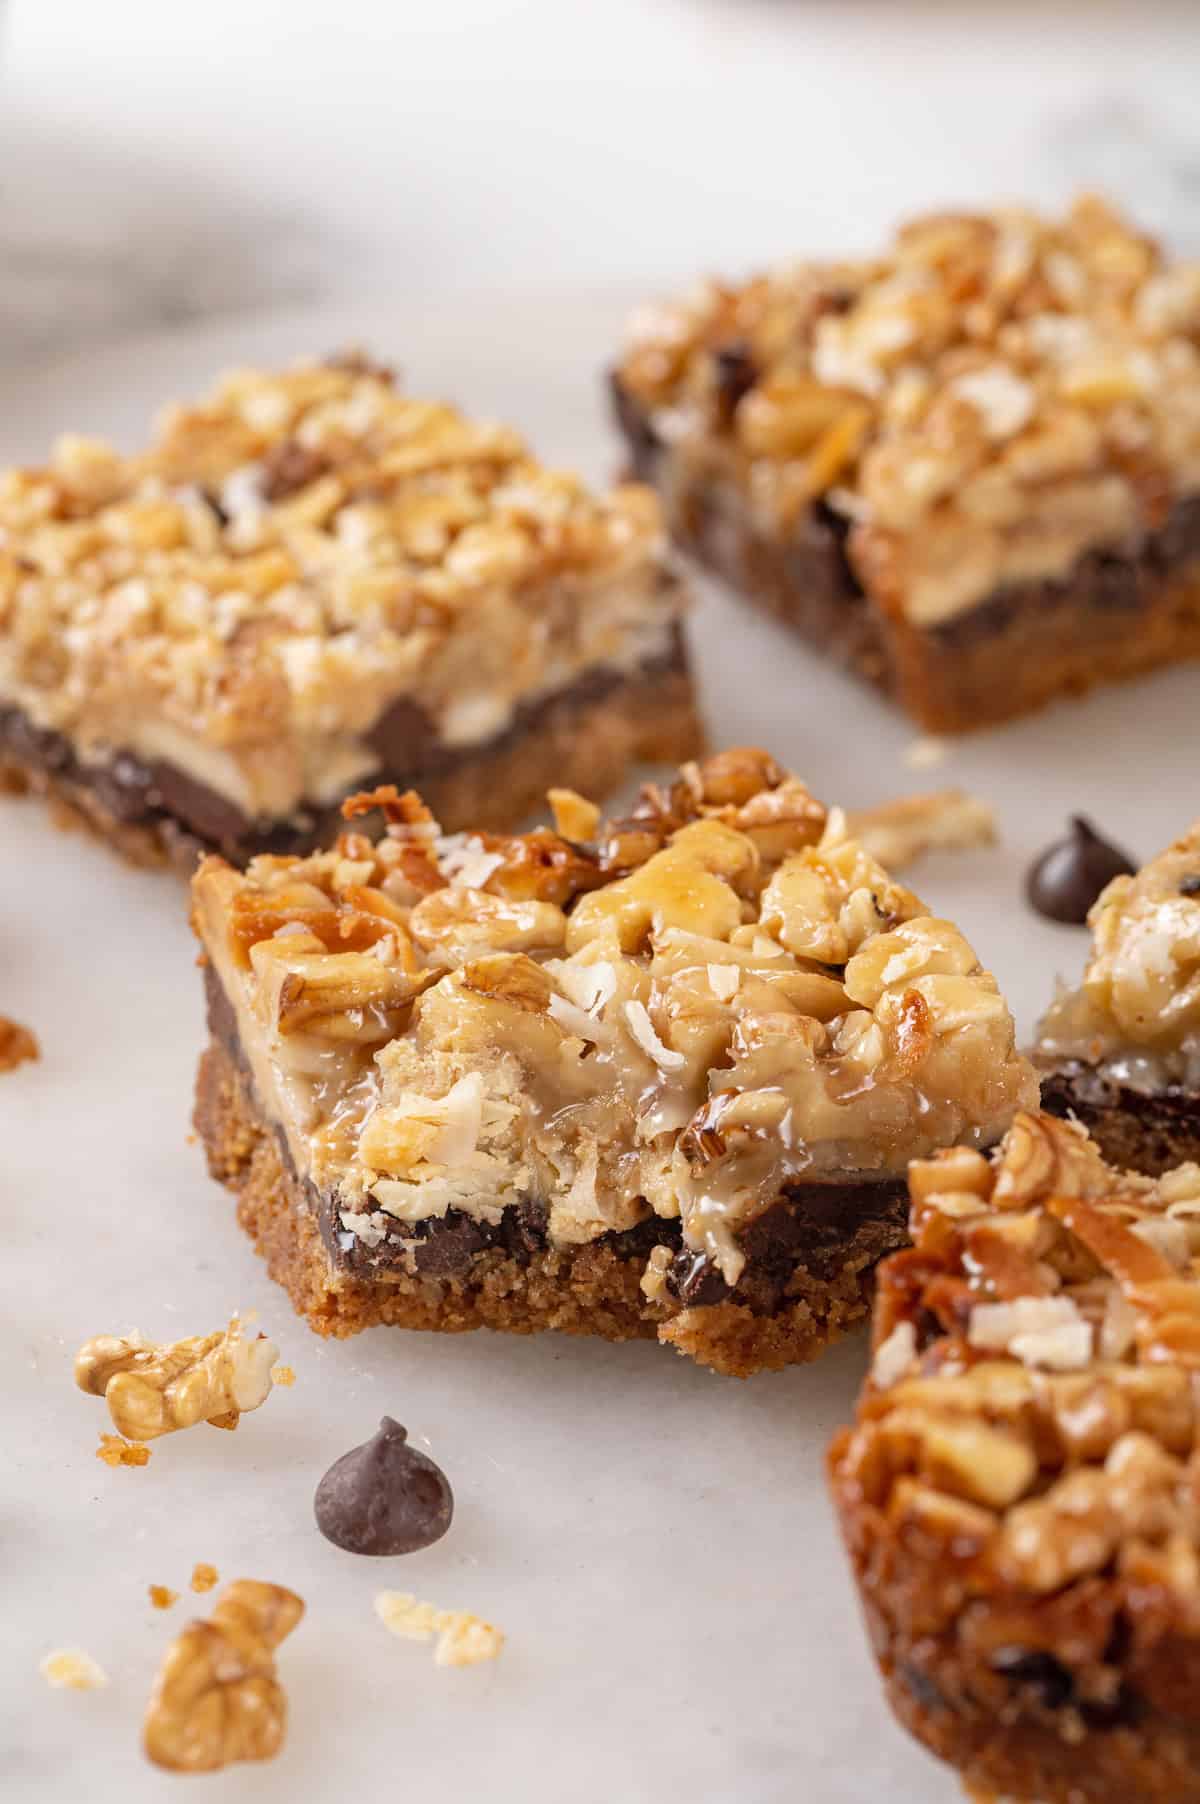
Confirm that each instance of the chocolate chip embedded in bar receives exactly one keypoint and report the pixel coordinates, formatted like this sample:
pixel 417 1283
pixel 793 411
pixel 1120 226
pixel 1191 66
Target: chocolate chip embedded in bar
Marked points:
pixel 1017 1494
pixel 961 467
pixel 662 1080
pixel 311 581
pixel 1121 1051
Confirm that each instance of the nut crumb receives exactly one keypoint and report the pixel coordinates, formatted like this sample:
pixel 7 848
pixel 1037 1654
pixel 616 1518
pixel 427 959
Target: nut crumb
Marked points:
pixel 162 1597
pixel 152 1390
pixel 116 1451
pixel 204 1576
pixel 944 820
pixel 923 754
pixel 283 1375
pixel 463 1639
pixel 217 1698
pixel 70 1669
pixel 17 1044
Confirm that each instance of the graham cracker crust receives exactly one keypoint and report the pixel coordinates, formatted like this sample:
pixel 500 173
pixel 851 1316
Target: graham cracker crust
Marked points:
pixel 590 1289
pixel 587 745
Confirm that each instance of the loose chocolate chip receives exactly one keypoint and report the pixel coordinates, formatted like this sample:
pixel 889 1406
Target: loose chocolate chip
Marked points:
pixel 736 374
pixel 1190 886
pixel 384 1497
pixel 1067 877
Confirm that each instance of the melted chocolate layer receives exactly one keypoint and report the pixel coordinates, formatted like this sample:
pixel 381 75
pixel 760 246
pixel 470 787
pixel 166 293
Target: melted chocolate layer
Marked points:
pixel 147 793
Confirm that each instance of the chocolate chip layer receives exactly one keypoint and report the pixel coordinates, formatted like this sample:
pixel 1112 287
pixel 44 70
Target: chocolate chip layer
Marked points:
pixel 159 798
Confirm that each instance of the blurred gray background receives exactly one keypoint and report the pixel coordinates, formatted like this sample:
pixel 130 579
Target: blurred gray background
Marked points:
pixel 162 162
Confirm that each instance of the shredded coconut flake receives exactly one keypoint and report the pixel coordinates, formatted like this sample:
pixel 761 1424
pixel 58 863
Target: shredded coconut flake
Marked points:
pixel 894 1355
pixel 724 981
pixel 642 1029
pixel 1039 1331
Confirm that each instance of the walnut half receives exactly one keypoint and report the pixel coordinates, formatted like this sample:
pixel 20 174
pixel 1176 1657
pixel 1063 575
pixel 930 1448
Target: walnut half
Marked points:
pixel 217 1698
pixel 152 1390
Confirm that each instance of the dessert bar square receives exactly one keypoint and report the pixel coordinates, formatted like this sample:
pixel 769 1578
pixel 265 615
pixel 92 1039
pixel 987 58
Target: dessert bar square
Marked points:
pixel 969 467
pixel 659 1075
pixel 1019 1493
pixel 311 581
pixel 1121 1051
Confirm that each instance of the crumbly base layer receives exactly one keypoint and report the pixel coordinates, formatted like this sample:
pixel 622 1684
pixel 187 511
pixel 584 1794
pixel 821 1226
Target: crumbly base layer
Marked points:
pixel 1014 1727
pixel 578 745
pixel 1134 1131
pixel 575 1290
pixel 1115 618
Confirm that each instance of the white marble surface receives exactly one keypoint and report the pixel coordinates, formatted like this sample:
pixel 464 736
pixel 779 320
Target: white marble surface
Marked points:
pixel 656 1541
pixel 162 163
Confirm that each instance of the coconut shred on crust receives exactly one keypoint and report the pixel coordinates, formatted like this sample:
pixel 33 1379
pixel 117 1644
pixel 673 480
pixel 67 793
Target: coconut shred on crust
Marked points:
pixel 712 997
pixel 244 599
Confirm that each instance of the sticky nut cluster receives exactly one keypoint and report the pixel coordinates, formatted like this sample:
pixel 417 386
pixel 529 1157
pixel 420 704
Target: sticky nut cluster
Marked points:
pixel 152 1390
pixel 295 551
pixel 714 991
pixel 993 395
pixel 1033 1401
pixel 217 1698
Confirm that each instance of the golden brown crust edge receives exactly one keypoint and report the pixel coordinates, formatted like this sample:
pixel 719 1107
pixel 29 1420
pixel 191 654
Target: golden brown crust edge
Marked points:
pixel 1021 1737
pixel 588 747
pixel 588 1290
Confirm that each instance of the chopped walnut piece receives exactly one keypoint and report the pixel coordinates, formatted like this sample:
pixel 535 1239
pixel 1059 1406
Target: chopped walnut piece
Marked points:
pixel 462 1639
pixel 946 820
pixel 217 1698
pixel 204 1576
pixel 71 1669
pixel 152 1390
pixel 114 1450
pixel 17 1044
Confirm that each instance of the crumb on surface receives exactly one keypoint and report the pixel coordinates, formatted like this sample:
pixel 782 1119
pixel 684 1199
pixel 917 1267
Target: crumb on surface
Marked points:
pixel 204 1576
pixel 462 1638
pixel 162 1597
pixel 71 1669
pixel 283 1375
pixel 17 1044
pixel 924 753
pixel 115 1450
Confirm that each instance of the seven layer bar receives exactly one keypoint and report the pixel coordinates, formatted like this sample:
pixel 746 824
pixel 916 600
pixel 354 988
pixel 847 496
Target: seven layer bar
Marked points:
pixel 1020 1496
pixel 655 1076
pixel 1121 1052
pixel 969 466
pixel 311 580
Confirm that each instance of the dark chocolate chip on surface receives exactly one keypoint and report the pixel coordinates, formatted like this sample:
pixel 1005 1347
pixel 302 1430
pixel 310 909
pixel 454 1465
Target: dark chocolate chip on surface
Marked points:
pixel 1067 877
pixel 384 1497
